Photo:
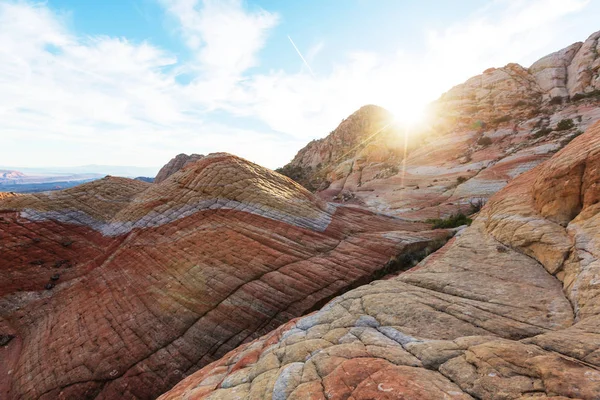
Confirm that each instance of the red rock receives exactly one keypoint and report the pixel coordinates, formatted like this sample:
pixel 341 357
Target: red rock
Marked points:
pixel 157 280
pixel 508 309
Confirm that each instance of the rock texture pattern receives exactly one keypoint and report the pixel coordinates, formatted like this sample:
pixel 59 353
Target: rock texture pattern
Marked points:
pixel 118 289
pixel 174 165
pixel 509 309
pixel 478 136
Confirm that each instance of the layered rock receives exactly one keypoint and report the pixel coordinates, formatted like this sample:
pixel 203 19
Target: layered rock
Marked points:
pixel 120 288
pixel 509 309
pixel 175 164
pixel 478 136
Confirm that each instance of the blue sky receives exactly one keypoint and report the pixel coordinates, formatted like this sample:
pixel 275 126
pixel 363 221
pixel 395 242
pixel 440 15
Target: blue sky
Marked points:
pixel 135 82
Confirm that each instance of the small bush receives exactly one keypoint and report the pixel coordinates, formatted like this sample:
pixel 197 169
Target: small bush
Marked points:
pixel 565 124
pixel 566 141
pixel 461 179
pixel 453 221
pixel 502 119
pixel 556 100
pixel 484 141
pixel 520 103
pixel 542 132
pixel 580 96
pixel 476 204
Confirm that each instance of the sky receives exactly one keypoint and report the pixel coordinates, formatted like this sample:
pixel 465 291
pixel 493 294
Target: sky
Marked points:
pixel 135 82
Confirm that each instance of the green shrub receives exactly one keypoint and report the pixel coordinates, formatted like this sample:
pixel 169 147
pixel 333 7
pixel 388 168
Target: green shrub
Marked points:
pixel 542 132
pixel 484 141
pixel 461 179
pixel 453 221
pixel 566 141
pixel 565 124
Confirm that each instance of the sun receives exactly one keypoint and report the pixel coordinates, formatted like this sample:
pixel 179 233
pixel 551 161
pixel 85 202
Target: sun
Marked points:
pixel 409 115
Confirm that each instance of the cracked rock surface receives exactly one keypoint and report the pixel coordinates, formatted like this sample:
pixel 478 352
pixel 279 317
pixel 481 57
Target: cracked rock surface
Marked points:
pixel 117 289
pixel 508 309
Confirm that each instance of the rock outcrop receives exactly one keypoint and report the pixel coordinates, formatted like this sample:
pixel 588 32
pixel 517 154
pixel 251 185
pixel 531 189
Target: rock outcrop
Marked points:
pixel 175 164
pixel 478 136
pixel 117 289
pixel 508 309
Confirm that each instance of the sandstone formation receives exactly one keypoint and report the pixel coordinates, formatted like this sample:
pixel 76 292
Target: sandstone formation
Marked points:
pixel 509 309
pixel 117 289
pixel 121 288
pixel 478 136
pixel 174 165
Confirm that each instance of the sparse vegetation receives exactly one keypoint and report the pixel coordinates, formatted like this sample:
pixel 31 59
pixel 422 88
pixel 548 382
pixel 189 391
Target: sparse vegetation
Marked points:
pixel 298 174
pixel 387 172
pixel 461 179
pixel 504 118
pixel 452 221
pixel 542 132
pixel 568 140
pixel 580 96
pixel 520 103
pixel 484 141
pixel 476 204
pixel 565 124
pixel 556 100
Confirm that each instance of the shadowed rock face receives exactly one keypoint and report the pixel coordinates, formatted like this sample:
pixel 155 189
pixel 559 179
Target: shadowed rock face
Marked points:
pixel 508 309
pixel 478 136
pixel 120 288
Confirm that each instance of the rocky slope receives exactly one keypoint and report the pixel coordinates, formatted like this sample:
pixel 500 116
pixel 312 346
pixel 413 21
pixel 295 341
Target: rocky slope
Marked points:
pixel 120 288
pixel 175 164
pixel 477 137
pixel 509 309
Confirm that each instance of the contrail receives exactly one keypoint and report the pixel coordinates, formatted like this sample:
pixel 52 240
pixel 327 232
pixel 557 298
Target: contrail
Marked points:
pixel 300 54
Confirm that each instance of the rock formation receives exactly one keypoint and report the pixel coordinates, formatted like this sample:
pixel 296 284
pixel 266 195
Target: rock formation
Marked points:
pixel 120 288
pixel 509 309
pixel 479 135
pixel 174 165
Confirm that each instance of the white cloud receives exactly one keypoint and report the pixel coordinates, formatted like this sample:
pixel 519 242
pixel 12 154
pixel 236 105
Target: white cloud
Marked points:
pixel 502 32
pixel 67 99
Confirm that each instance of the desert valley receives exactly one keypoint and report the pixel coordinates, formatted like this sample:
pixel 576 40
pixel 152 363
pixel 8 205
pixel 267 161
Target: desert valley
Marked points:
pixel 453 259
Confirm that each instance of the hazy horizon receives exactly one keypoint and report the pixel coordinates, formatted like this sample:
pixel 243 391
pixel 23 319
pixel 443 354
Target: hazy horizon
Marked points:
pixel 136 83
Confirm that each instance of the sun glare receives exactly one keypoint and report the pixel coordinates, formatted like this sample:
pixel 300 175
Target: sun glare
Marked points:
pixel 409 115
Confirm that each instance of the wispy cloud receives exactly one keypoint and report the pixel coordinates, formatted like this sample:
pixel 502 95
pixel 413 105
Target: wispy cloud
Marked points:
pixel 71 99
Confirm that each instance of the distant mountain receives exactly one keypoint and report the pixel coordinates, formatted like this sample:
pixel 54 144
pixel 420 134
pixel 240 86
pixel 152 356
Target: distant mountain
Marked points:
pixel 102 170
pixel 145 179
pixel 19 182
pixel 5 175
